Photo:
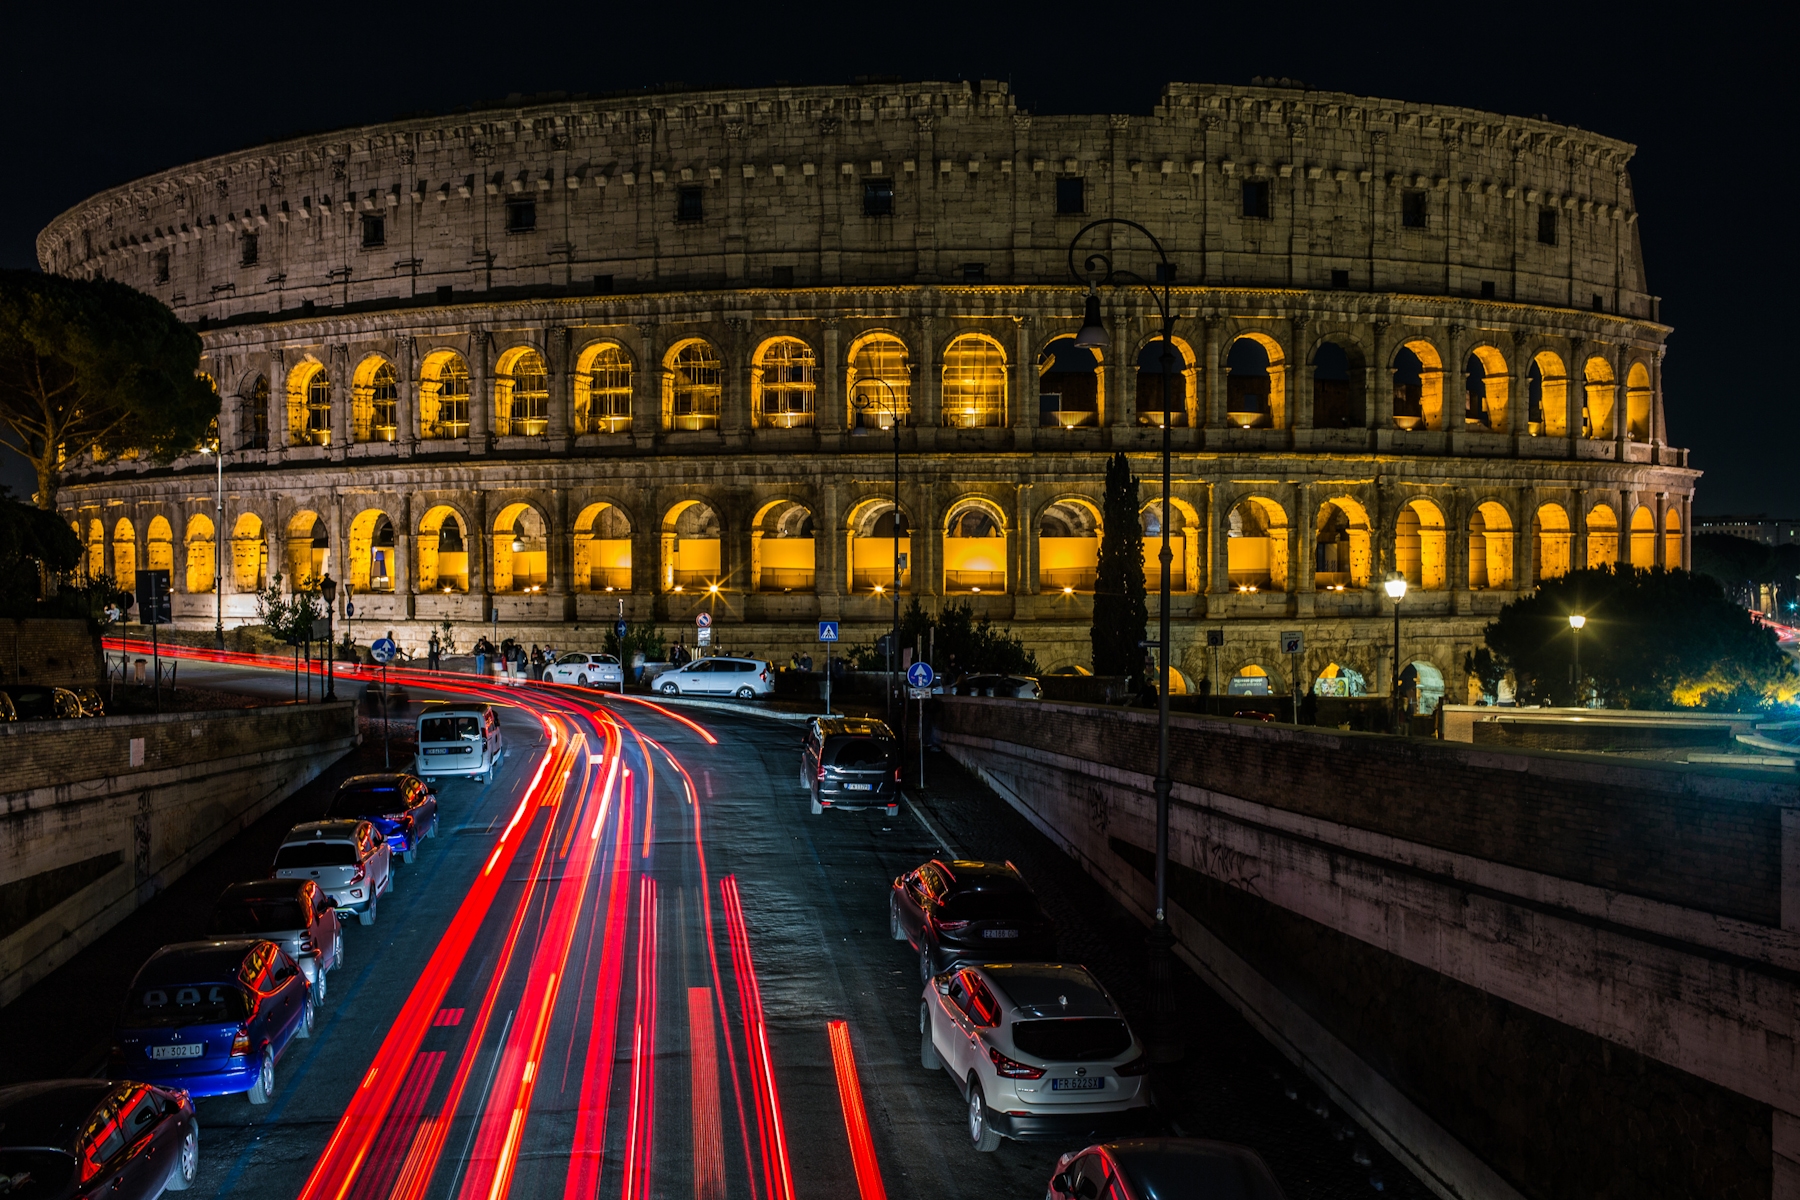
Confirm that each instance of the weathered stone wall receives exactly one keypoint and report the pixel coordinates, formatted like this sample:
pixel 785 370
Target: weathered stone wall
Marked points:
pixel 1534 974
pixel 64 653
pixel 98 815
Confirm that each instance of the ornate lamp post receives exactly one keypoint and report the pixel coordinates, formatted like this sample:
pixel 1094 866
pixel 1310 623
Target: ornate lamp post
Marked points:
pixel 328 589
pixel 1576 621
pixel 1097 271
pixel 217 450
pixel 868 403
pixel 1396 590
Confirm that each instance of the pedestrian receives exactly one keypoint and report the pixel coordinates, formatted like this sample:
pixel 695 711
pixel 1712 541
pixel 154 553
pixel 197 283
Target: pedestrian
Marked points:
pixel 521 665
pixel 679 655
pixel 806 663
pixel 434 652
pixel 481 655
pixel 537 662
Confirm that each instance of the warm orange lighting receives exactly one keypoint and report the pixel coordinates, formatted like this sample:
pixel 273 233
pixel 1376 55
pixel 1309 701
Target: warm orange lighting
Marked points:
pixel 1068 591
pixel 712 589
pixel 878 589
pixel 974 589
pixel 679 588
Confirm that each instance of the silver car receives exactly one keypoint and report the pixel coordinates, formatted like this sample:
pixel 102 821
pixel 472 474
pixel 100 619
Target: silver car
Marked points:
pixel 745 678
pixel 294 914
pixel 349 861
pixel 1039 1051
pixel 585 669
pixel 458 739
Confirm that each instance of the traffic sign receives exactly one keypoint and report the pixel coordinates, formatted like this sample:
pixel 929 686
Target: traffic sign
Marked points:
pixel 703 620
pixel 383 650
pixel 828 631
pixel 919 693
pixel 619 629
pixel 1215 637
pixel 349 609
pixel 153 603
pixel 920 675
pixel 704 637
pixel 1292 642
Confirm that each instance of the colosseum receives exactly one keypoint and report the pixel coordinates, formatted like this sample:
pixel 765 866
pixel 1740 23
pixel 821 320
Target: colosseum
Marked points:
pixel 651 354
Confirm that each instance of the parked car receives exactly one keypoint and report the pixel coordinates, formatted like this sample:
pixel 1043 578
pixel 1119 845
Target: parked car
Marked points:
pixel 745 678
pixel 398 699
pixel 92 703
pixel 293 913
pixel 458 739
pixel 8 712
pixel 1253 714
pixel 402 808
pixel 1163 1169
pixel 42 702
pixel 349 861
pixel 850 763
pixel 584 670
pixel 966 911
pixel 63 1138
pixel 1018 687
pixel 213 1018
pixel 1039 1051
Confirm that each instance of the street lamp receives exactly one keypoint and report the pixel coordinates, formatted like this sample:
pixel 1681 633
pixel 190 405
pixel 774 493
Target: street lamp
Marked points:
pixel 867 403
pixel 217 450
pixel 1096 271
pixel 328 589
pixel 1396 590
pixel 1576 621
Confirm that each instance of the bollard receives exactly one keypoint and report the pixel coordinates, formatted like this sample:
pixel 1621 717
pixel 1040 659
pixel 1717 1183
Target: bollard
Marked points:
pixel 142 664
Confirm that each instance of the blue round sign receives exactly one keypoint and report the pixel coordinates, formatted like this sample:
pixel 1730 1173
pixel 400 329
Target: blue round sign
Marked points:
pixel 382 650
pixel 619 628
pixel 920 674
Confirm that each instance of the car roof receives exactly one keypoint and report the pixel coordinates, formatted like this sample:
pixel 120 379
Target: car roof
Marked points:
pixel 853 726
pixel 264 889
pixel 323 831
pixel 196 962
pixel 381 779
pixel 972 875
pixel 1049 990
pixel 1222 1169
pixel 453 708
pixel 50 1112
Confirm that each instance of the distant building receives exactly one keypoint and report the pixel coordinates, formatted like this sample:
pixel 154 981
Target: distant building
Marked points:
pixel 1771 531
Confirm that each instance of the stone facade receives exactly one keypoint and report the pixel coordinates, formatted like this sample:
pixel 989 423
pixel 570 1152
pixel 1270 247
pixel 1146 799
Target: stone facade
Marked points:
pixel 640 355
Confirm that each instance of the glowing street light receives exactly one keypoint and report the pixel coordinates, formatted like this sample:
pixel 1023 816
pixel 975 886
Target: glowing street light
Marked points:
pixel 1395 587
pixel 1576 621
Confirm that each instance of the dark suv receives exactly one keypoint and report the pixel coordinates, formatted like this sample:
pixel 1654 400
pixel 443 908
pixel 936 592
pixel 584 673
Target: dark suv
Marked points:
pixel 851 762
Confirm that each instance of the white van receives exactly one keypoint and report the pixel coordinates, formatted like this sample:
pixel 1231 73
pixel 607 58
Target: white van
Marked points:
pixel 458 739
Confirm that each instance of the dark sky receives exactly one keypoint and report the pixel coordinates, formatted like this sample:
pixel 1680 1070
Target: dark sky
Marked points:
pixel 93 99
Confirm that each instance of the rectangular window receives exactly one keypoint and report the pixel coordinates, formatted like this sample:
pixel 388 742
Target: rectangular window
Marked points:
pixel 162 266
pixel 878 197
pixel 974 272
pixel 603 285
pixel 374 230
pixel 1165 272
pixel 521 214
pixel 690 203
pixel 1412 208
pixel 1340 279
pixel 1547 226
pixel 1599 302
pixel 781 276
pixel 1256 198
pixel 1487 289
pixel 1071 195
pixel 248 245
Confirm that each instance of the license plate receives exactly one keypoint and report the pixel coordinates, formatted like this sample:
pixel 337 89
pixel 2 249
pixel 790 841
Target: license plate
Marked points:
pixel 435 750
pixel 185 1050
pixel 1088 1083
pixel 1000 933
pixel 859 787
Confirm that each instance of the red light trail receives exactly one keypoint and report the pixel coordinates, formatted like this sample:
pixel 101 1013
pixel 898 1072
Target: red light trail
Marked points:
pixel 856 1119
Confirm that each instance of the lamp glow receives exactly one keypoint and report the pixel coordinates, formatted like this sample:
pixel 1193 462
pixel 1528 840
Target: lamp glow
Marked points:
pixel 1576 620
pixel 1396 588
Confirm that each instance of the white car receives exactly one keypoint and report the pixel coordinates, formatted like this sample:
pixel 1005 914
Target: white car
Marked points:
pixel 1039 1050
pixel 585 669
pixel 745 678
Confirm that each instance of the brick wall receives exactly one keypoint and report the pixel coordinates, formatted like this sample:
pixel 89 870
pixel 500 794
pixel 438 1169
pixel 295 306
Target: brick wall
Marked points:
pixel 65 653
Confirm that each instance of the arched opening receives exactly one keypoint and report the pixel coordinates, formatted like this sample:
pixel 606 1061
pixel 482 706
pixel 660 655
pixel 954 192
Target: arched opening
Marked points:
pixel 1255 383
pixel 1337 389
pixel 1602 537
pixel 1672 539
pixel 309 405
pixel 1341 556
pixel 1420 550
pixel 1598 410
pixel 1421 688
pixel 374 401
pixel 879 532
pixel 125 553
pixel 1256 545
pixel 1490 547
pixel 1184 551
pixel 308 551
pixel 1154 408
pixel 1250 680
pixel 974 383
pixel 253 420
pixel 521 394
pixel 202 554
pixel 1068 547
pixel 1418 375
pixel 1339 680
pixel 690 548
pixel 1548 385
pixel 96 551
pixel 784 384
pixel 1551 543
pixel 878 357
pixel 1485 389
pixel 159 547
pixel 521 550
pixel 693 382
pixel 443 552
pixel 603 549
pixel 603 389
pixel 443 397
pixel 974 548
pixel 1069 385
pixel 1637 403
pixel 781 548
pixel 1643 538
pixel 372 567
pixel 249 554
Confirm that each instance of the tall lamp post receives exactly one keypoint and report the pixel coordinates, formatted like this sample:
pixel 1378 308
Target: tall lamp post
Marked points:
pixel 1576 621
pixel 217 450
pixel 1097 271
pixel 866 404
pixel 1396 590
pixel 328 589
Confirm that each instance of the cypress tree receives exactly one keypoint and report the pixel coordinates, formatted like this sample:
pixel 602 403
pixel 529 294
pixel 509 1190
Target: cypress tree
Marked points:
pixel 1120 614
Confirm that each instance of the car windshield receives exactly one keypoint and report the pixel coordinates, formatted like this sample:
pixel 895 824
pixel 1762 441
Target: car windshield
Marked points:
pixel 1004 903
pixel 259 916
pixel 363 802
pixel 449 729
pixel 30 1174
pixel 1074 1039
pixel 316 854
pixel 861 752
pixel 1224 1176
pixel 186 1004
pixel 33 702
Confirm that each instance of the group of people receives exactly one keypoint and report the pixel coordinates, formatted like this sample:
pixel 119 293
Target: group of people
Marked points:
pixel 516 663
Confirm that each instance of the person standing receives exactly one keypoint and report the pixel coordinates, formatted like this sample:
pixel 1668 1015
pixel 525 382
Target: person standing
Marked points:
pixel 434 652
pixel 537 663
pixel 481 655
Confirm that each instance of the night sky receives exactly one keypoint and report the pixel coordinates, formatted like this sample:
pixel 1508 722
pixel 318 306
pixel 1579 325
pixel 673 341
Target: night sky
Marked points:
pixel 93 100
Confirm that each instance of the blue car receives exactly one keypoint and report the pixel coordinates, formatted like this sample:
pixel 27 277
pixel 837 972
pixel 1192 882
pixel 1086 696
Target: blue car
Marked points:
pixel 212 1018
pixel 400 806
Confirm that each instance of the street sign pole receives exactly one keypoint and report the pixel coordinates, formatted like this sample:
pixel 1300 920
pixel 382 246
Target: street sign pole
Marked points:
pixel 828 633
pixel 385 760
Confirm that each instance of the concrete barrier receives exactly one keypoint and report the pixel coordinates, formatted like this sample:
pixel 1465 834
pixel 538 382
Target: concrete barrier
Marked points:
pixel 98 815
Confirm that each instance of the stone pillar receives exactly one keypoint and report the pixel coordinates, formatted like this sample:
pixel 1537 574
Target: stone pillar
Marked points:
pixel 829 543
pixel 1527 507
pixel 477 541
pixel 1456 548
pixel 1214 377
pixel 1575 398
pixel 337 366
pixel 1303 537
pixel 406 579
pixel 559 548
pixel 1627 510
pixel 735 417
pixel 831 404
pixel 1024 560
pixel 927 545
pixel 1024 388
pixel 1121 371
pixel 1299 379
pixel 481 397
pixel 1658 430
pixel 1455 383
pixel 646 394
pixel 1379 390
pixel 406 416
pixel 1661 558
pixel 1218 559
pixel 1621 405
pixel 562 385
pixel 927 392
pixel 1578 530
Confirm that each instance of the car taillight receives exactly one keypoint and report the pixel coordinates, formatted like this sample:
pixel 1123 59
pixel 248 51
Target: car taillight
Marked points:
pixel 821 770
pixel 1011 1069
pixel 953 926
pixel 240 1044
pixel 307 946
pixel 361 871
pixel 1137 1066
pixel 896 774
pixel 765 675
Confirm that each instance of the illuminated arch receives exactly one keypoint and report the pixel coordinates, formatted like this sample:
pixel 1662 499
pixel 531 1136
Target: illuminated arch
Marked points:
pixel 692 545
pixel 1068 545
pixel 249 554
pixel 1185 546
pixel 96 550
pixel 1421 549
pixel 521 549
pixel 870 530
pixel 1672 539
pixel 693 381
pixel 603 379
pixel 202 554
pixel 1071 382
pixel 309 404
pixel 442 550
pixel 1547 395
pixel 125 553
pixel 308 550
pixel 1342 555
pixel 603 548
pixel 1423 686
pixel 1256 382
pixel 1602 536
pixel 782 547
pixel 974 390
pixel 1418 379
pixel 1256 545
pixel 521 394
pixel 1551 543
pixel 1637 403
pixel 878 355
pixel 159 546
pixel 372 551
pixel 1599 411
pixel 1147 385
pixel 1490 547
pixel 1487 389
pixel 374 401
pixel 1643 537
pixel 443 397
pixel 784 384
pixel 975 547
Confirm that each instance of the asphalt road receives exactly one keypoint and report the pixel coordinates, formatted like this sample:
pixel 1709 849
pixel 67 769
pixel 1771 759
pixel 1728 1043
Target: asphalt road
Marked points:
pixel 614 973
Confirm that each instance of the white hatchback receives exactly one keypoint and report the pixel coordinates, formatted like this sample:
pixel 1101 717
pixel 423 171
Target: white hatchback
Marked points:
pixel 585 669
pixel 745 678
pixel 1039 1050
